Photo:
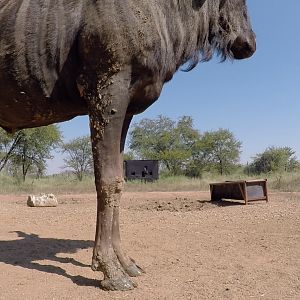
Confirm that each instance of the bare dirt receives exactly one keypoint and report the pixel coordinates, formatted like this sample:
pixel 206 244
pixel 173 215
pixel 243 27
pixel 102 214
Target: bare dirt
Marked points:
pixel 189 247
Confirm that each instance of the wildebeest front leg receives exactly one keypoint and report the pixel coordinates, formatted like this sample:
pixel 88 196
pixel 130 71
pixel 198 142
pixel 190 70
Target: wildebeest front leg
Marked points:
pixel 107 109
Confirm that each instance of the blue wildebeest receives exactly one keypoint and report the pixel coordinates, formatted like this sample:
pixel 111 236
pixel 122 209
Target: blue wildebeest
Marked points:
pixel 109 60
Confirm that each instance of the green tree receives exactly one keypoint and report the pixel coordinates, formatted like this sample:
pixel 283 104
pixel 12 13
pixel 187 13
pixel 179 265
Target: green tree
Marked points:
pixel 217 150
pixel 79 158
pixel 168 141
pixel 274 159
pixel 32 147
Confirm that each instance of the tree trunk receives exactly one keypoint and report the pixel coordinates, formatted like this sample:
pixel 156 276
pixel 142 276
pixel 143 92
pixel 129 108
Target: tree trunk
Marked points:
pixel 5 159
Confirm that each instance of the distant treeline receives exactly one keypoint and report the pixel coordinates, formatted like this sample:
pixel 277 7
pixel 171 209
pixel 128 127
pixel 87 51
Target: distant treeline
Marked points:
pixel 184 150
pixel 178 145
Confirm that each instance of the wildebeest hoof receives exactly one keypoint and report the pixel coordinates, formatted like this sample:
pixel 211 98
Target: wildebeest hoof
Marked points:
pixel 118 284
pixel 95 266
pixel 134 270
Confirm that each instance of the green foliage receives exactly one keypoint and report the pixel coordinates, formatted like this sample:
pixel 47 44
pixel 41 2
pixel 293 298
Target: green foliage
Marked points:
pixel 218 151
pixel 79 158
pixel 28 150
pixel 164 140
pixel 274 159
pixel 182 149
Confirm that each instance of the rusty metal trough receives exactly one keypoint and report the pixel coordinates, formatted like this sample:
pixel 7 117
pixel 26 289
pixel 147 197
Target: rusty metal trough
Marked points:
pixel 251 190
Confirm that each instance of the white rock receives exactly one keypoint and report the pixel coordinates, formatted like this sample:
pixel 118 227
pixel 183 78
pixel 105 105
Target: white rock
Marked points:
pixel 43 200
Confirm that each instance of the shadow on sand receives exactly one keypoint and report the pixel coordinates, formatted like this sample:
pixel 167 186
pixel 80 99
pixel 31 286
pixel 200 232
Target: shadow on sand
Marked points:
pixel 226 202
pixel 24 252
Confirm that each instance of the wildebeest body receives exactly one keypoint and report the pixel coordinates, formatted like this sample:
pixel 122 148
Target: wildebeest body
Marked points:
pixel 41 50
pixel 108 59
pixel 38 37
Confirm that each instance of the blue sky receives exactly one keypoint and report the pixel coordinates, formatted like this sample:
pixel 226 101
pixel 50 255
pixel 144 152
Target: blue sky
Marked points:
pixel 257 99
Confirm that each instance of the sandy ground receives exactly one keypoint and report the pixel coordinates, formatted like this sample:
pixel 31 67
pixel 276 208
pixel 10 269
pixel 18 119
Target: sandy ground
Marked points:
pixel 190 248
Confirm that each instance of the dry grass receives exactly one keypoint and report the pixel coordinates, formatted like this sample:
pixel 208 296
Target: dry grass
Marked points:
pixel 287 182
pixel 50 184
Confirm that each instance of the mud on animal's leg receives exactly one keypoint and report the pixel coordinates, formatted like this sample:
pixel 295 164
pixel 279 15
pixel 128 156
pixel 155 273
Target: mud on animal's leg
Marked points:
pixel 104 256
pixel 109 186
pixel 107 115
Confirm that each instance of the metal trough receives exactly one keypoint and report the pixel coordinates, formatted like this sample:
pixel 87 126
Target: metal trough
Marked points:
pixel 251 190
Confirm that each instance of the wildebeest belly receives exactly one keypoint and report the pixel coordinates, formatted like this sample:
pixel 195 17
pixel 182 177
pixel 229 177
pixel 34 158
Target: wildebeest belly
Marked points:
pixel 38 63
pixel 21 108
pixel 25 104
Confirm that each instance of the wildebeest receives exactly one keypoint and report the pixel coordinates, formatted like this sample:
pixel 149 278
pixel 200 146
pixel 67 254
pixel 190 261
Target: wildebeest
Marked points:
pixel 108 59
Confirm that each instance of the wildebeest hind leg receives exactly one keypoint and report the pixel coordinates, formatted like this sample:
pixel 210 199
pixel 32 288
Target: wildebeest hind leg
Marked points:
pixel 129 265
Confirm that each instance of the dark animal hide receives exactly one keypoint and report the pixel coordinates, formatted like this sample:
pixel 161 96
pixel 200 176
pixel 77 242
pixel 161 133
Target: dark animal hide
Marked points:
pixel 42 48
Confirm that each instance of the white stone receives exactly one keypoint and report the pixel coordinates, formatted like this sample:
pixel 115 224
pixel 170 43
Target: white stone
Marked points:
pixel 43 200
